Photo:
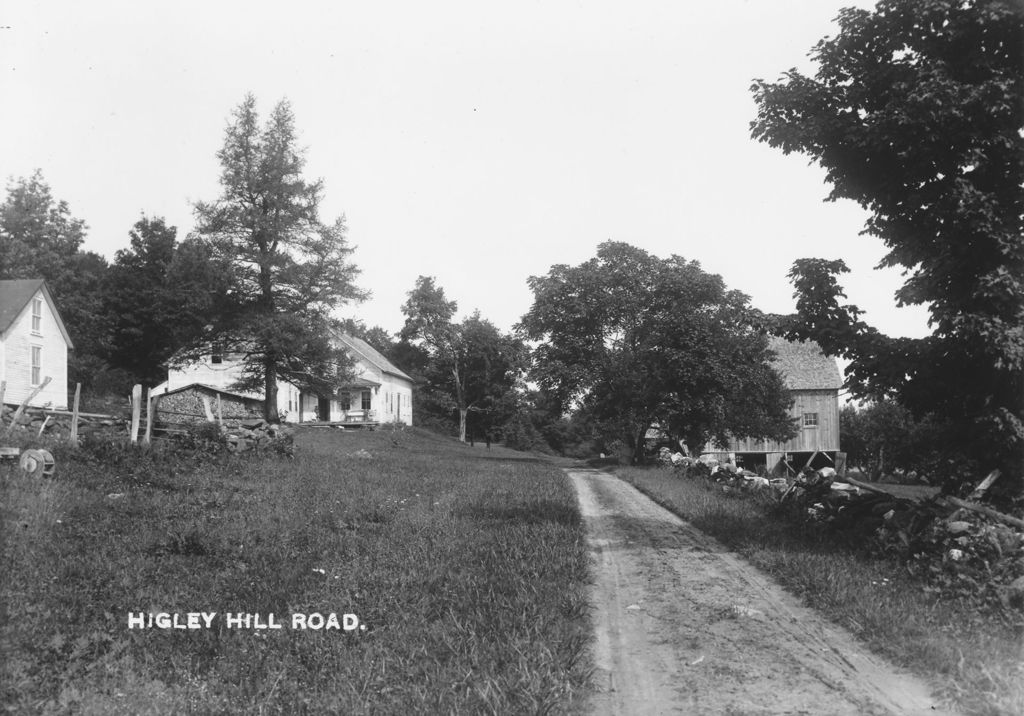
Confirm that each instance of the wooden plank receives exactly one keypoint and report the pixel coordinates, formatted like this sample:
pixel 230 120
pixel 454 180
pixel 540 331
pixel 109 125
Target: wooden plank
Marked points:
pixel 54 411
pixel 207 408
pixel 24 404
pixel 73 434
pixel 841 464
pixel 871 488
pixel 136 412
pixel 981 489
pixel 1008 519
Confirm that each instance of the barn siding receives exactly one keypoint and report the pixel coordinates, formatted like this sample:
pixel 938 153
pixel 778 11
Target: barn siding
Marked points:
pixel 16 357
pixel 825 437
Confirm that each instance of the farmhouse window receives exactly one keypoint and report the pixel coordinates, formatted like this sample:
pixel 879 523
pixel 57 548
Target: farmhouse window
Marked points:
pixel 810 420
pixel 366 400
pixel 37 315
pixel 37 365
pixel 345 400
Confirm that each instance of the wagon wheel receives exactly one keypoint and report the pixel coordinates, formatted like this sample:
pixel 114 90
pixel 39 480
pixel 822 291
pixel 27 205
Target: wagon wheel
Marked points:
pixel 37 463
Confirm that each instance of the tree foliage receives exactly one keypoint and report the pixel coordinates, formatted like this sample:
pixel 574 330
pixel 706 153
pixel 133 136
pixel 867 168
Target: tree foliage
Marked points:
pixel 287 268
pixel 39 238
pixel 638 340
pixel 157 296
pixel 471 366
pixel 916 112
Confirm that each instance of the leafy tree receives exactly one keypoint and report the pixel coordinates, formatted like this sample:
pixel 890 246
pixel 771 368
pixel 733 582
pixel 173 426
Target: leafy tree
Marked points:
pixel 287 268
pixel 916 113
pixel 38 235
pixel 471 366
pixel 40 239
pixel 157 296
pixel 635 340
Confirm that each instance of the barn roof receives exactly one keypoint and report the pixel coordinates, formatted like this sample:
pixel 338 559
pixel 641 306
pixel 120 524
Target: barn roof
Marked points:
pixel 368 352
pixel 15 295
pixel 803 365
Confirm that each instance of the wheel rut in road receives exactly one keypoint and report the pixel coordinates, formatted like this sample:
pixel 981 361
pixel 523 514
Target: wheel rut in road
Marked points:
pixel 683 626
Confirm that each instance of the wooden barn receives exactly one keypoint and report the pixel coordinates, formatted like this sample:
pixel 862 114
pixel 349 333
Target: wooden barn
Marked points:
pixel 813 381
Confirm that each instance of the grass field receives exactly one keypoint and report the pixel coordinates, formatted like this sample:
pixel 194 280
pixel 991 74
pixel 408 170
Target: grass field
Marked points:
pixel 466 566
pixel 977 660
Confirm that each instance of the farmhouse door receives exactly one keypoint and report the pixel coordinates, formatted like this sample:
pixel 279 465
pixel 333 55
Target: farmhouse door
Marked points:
pixel 323 408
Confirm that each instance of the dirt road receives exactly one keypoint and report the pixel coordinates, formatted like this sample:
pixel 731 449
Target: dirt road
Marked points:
pixel 685 627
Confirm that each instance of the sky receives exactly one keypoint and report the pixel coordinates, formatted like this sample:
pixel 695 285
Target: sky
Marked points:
pixel 476 142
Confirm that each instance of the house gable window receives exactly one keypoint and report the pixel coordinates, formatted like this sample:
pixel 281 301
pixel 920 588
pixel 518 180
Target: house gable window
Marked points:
pixel 366 400
pixel 37 316
pixel 37 365
pixel 810 420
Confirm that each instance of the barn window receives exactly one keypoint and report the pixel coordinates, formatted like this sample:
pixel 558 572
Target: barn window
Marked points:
pixel 810 420
pixel 37 365
pixel 37 315
pixel 366 400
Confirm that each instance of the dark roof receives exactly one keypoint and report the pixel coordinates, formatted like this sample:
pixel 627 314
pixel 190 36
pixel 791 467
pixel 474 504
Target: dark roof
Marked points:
pixel 365 350
pixel 804 366
pixel 209 389
pixel 15 295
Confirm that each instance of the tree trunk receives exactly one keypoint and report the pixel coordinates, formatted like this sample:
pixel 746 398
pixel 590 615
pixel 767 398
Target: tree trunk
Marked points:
pixel 270 389
pixel 460 400
pixel 639 445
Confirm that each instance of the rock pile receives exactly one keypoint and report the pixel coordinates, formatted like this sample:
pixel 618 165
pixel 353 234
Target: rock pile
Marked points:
pixel 961 549
pixel 257 434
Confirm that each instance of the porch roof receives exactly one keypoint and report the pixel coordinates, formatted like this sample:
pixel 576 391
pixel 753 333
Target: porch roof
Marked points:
pixel 360 383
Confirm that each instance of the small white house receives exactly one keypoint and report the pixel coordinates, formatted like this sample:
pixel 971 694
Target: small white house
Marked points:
pixel 380 392
pixel 33 344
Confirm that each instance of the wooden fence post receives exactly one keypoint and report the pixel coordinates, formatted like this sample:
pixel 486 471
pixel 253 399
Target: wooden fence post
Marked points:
pixel 73 434
pixel 24 404
pixel 136 412
pixel 149 417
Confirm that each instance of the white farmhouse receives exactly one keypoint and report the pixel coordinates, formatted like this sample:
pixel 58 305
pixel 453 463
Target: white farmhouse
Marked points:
pixel 380 392
pixel 33 344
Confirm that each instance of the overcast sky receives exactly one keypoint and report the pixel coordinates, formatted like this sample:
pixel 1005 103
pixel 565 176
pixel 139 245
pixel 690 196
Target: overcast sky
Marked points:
pixel 476 142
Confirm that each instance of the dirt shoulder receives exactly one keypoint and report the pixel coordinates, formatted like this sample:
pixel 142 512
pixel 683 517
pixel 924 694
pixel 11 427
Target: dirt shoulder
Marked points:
pixel 684 626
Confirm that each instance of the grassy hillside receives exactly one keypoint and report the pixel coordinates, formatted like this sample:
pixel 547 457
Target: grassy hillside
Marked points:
pixel 466 567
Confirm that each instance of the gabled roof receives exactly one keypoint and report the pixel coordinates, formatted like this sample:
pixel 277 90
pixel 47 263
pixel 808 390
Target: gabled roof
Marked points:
pixel 15 295
pixel 370 354
pixel 803 365
pixel 209 389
